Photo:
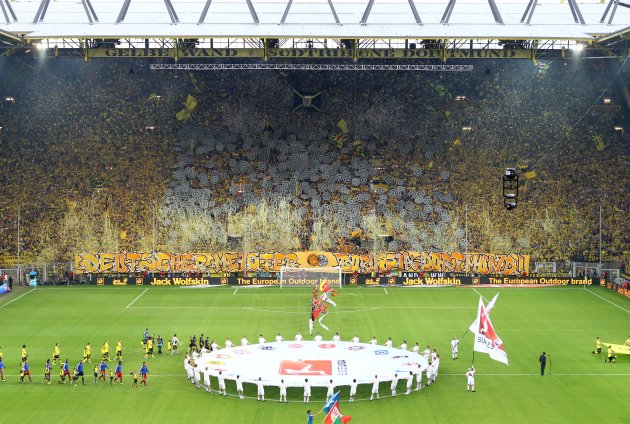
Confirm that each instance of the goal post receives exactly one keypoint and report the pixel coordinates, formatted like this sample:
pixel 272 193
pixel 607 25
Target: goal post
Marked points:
pixel 310 277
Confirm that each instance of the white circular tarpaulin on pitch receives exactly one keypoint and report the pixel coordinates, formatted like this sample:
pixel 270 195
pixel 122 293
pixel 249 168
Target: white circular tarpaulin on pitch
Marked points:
pixel 320 362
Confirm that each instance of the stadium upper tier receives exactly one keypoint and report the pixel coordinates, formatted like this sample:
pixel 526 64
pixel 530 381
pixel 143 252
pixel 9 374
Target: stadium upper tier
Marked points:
pixel 314 19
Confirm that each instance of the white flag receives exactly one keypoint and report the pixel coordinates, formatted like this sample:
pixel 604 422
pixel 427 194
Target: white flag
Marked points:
pixel 486 339
pixel 473 327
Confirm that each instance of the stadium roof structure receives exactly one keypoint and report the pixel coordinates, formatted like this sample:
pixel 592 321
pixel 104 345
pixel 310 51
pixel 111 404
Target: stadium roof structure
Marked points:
pixel 383 23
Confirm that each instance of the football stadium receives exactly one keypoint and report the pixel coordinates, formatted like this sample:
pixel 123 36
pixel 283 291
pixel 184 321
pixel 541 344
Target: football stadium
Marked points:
pixel 314 211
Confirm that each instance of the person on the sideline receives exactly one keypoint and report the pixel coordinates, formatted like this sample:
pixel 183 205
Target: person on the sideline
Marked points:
pixel 543 363
pixel 470 377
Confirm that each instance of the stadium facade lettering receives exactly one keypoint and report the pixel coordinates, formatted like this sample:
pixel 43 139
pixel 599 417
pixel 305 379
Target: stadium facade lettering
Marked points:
pixel 315 53
pixel 233 262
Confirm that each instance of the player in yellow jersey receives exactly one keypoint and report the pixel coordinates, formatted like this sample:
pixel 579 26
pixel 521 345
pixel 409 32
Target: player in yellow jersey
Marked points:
pixel 56 353
pixel 24 354
pixel 87 353
pixel 134 376
pixel 149 348
pixel 611 355
pixel 119 350
pixel 105 351
pixel 628 341
pixel 1 354
pixel 598 346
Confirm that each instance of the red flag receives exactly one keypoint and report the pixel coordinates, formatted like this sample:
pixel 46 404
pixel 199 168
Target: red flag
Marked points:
pixel 335 417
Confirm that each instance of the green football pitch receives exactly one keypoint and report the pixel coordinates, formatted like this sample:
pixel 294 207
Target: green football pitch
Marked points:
pixel 564 321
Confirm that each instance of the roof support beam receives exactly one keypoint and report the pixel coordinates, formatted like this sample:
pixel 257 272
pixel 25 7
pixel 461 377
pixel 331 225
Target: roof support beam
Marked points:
pixel 89 11
pixel 171 12
pixel 204 12
pixel 10 9
pixel 412 5
pixel 41 11
pixel 614 4
pixel 493 7
pixel 286 11
pixel 330 4
pixel 252 11
pixel 169 8
pixel 575 11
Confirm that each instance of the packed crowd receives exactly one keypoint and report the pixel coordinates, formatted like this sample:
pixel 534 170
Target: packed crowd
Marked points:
pixel 402 158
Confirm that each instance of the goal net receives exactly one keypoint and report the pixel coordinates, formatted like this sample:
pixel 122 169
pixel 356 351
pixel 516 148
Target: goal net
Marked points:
pixel 309 277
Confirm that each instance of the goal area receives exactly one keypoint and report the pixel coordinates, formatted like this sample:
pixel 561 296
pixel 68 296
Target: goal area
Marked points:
pixel 310 277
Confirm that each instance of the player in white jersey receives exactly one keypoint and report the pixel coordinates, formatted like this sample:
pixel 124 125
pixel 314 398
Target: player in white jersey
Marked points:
pixel 336 338
pixel 429 374
pixel 470 379
pixel 373 341
pixel 355 339
pixel 433 355
pixel 409 382
pixel 455 348
pixel 394 384
pixel 426 353
pixel 353 389
pixel 375 388
pixel 416 348
pixel 298 337
pixel 189 369
pixel 307 390
pixel 174 345
pixel 419 378
pixel 311 321
pixel 389 343
pixel 239 387
pixel 196 375
pixel 222 384
pixel 244 341
pixel 279 338
pixel 228 344
pixel 261 389
pixel 283 391
pixel 436 366
pixel 403 346
pixel 331 389
pixel 318 338
pixel 206 380
pixel 214 345
pixel 261 340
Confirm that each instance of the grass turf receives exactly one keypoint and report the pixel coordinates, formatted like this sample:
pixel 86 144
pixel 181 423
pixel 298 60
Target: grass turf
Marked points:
pixel 562 321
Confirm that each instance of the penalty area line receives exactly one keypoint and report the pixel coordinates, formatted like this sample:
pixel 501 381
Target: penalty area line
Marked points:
pixel 235 290
pixel 606 300
pixel 385 291
pixel 137 297
pixel 13 300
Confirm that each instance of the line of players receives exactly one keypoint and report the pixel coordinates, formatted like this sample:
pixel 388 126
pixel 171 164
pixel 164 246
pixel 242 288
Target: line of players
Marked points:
pixel 194 373
pixel 73 374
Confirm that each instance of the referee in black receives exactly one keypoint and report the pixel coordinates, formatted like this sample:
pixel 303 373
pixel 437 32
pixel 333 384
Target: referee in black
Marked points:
pixel 543 363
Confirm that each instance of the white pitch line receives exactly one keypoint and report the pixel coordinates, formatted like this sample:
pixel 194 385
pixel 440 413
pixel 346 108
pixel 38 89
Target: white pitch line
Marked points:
pixel 385 290
pixel 301 307
pixel 235 290
pixel 138 297
pixel 13 300
pixel 603 298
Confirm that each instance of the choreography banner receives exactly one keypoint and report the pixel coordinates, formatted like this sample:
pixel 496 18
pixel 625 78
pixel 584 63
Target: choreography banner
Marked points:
pixel 215 263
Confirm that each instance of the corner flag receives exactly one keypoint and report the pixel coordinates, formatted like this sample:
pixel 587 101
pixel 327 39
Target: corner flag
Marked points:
pixel 486 339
